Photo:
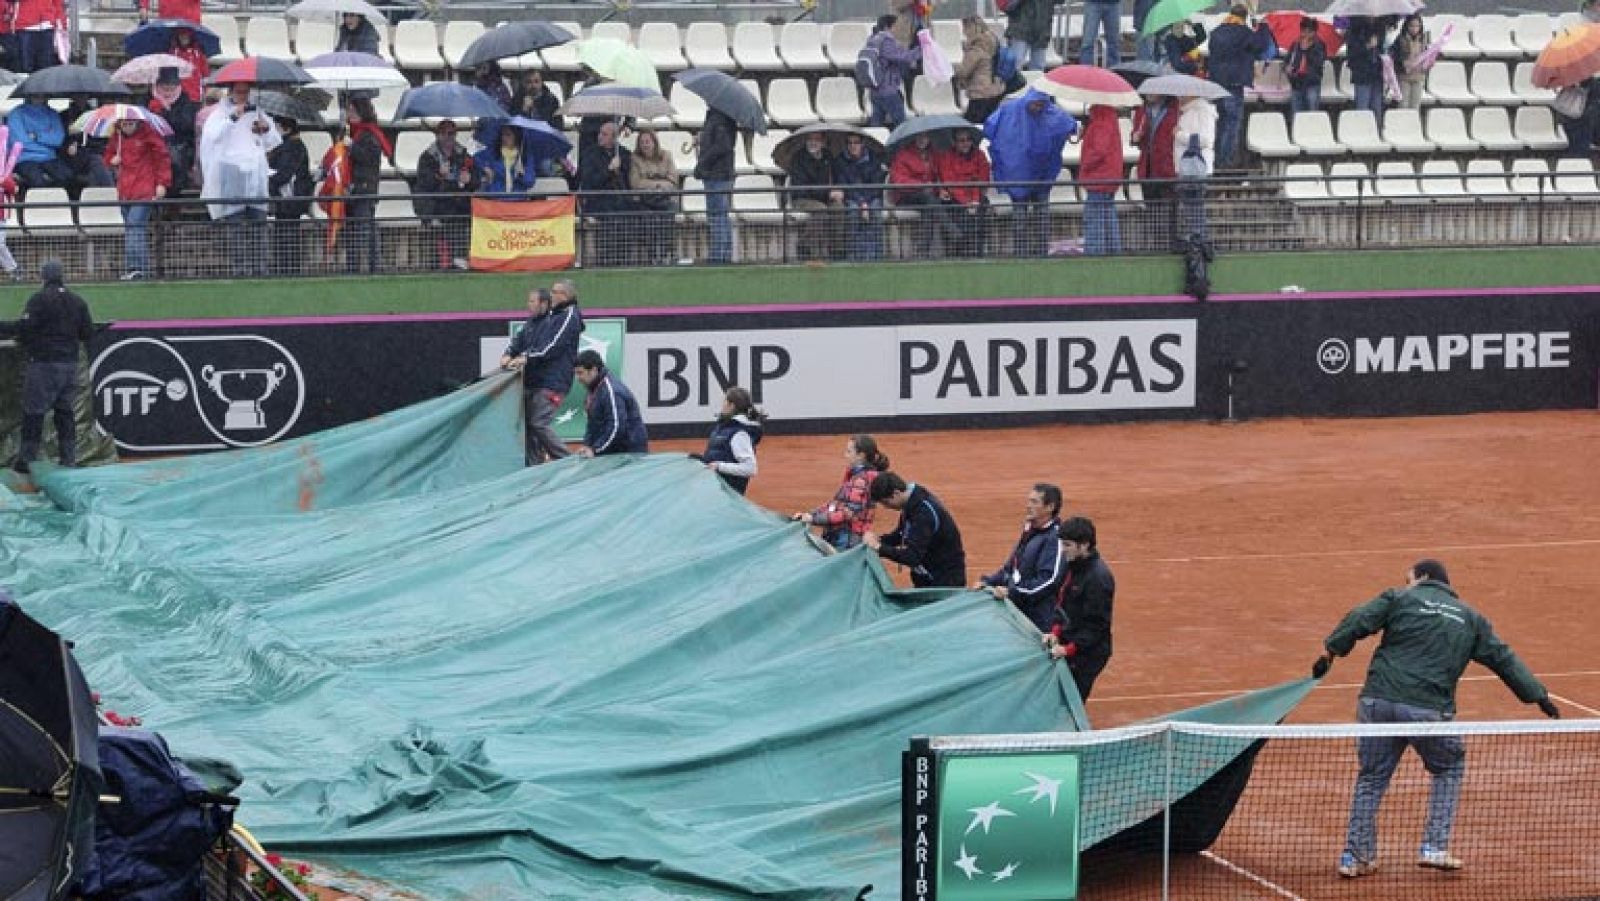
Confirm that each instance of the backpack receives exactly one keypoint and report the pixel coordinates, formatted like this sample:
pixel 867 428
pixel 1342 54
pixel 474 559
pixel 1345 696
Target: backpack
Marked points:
pixel 868 62
pixel 1006 70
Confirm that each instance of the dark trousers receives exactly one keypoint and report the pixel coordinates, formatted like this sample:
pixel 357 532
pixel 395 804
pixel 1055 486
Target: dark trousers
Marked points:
pixel 286 251
pixel 36 50
pixel 362 236
pixel 1084 671
pixel 539 438
pixel 978 110
pixel 49 385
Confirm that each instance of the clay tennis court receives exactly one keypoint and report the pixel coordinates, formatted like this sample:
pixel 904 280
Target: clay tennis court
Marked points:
pixel 1238 547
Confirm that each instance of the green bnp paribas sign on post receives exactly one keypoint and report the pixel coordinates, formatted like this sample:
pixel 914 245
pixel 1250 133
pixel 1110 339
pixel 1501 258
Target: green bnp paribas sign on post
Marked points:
pixel 1008 828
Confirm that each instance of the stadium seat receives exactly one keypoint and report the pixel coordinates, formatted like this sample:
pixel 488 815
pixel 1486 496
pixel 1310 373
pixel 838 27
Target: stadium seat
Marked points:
pixel 612 30
pixel 416 46
pixel 1313 134
pixel 226 28
pixel 52 219
pixel 693 208
pixel 1402 128
pixel 839 100
pixel 1460 45
pixel 1442 180
pixel 95 219
pixel 1396 180
pixel 1530 177
pixel 1531 32
pixel 1574 176
pixel 761 150
pixel 1332 93
pixel 313 39
pixel 680 146
pixel 1349 181
pixel 662 44
pixel 561 57
pixel 1130 153
pixel 1535 126
pixel 800 45
pixel 267 36
pixel 1447 128
pixel 1491 34
pixel 755 48
pixel 1491 83
pixel 1267 134
pixel 706 46
pixel 318 143
pixel 1491 128
pixel 929 99
pixel 1522 83
pixel 1486 179
pixel 1447 82
pixel 688 110
pixel 394 204
pixel 408 148
pixel 1305 183
pixel 845 40
pixel 550 187
pixel 458 36
pixel 755 199
pixel 386 104
pixel 1072 153
pixel 1358 132
pixel 947 34
pixel 789 103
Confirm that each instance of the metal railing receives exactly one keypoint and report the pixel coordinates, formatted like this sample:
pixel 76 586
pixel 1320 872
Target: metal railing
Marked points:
pixel 777 225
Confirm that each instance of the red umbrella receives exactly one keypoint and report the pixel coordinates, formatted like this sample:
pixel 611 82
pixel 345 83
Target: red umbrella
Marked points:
pixel 1570 58
pixel 1285 28
pixel 261 70
pixel 1090 86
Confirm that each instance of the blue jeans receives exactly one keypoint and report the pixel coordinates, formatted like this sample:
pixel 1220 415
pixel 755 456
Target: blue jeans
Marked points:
pixel 1101 236
pixel 1370 97
pixel 1145 46
pixel 888 110
pixel 1106 18
pixel 1230 121
pixel 1030 224
pixel 1444 757
pixel 38 50
pixel 718 202
pixel 1304 100
pixel 865 231
pixel 136 236
pixel 1028 56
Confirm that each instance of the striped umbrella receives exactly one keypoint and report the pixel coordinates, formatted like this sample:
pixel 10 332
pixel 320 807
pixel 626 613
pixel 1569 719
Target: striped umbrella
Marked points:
pixel 1571 57
pixel 618 100
pixel 100 122
pixel 260 70
pixel 1090 86
pixel 145 69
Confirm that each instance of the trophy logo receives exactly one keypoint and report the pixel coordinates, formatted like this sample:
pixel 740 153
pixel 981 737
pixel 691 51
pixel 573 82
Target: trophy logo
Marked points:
pixel 244 414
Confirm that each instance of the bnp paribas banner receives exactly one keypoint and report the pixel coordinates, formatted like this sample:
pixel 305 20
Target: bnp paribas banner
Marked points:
pixel 1008 828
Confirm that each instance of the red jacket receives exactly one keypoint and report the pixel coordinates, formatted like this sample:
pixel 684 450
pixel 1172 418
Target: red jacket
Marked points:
pixel 40 12
pixel 910 167
pixel 1155 157
pixel 202 67
pixel 187 10
pixel 145 163
pixel 955 168
pixel 1101 166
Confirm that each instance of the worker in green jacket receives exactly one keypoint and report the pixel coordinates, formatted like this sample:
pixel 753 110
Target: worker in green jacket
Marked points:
pixel 1429 637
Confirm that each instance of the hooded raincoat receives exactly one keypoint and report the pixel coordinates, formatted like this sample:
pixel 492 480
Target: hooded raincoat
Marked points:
pixel 1026 146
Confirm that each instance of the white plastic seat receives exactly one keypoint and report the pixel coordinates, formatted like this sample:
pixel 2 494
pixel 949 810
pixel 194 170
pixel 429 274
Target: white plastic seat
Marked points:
pixel 1536 127
pixel 1531 32
pixel 761 150
pixel 1358 132
pixel 845 40
pixel 789 103
pixel 1442 180
pixel 706 46
pixel 1491 34
pixel 1530 177
pixel 550 187
pixel 680 146
pixel 755 48
pixel 1447 128
pixel 1486 179
pixel 1349 181
pixel 800 45
pixel 52 219
pixel 755 199
pixel 1312 132
pixel 386 104
pixel 267 36
pixel 318 143
pixel 693 208
pixel 1460 45
pixel 99 213
pixel 561 57
pixel 661 43
pixel 458 36
pixel 1332 92
pixel 839 100
pixel 394 208
pixel 1130 153
pixel 1491 128
pixel 1574 176
pixel 1402 128
pixel 612 31
pixel 226 28
pixel 1447 82
pixel 1522 83
pixel 313 39
pixel 1491 83
pixel 688 110
pixel 1306 183
pixel 947 34
pixel 1396 180
pixel 929 99
pixel 416 46
pixel 1267 134
pixel 408 148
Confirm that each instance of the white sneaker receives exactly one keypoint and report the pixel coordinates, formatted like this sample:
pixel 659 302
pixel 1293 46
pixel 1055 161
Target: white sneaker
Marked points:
pixel 133 276
pixel 460 263
pixel 1436 859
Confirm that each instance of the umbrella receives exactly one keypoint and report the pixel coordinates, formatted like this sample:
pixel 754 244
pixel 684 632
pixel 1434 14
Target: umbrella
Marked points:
pixel 60 81
pixel 723 92
pixel 1171 12
pixel 1136 71
pixel 941 127
pixel 1179 85
pixel 50 771
pixel 539 139
pixel 8 77
pixel 1088 85
pixel 1285 28
pixel 145 69
pixel 513 39
pixel 156 37
pixel 331 10
pixel 347 71
pixel 286 106
pixel 99 122
pixel 795 143
pixel 1372 8
pixel 260 70
pixel 445 100
pixel 618 62
pixel 618 100
pixel 1571 57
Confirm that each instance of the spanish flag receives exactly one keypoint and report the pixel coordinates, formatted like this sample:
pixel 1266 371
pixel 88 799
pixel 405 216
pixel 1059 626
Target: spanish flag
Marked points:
pixel 522 235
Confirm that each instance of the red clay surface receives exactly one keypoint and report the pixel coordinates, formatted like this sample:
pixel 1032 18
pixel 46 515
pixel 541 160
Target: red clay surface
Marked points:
pixel 1238 547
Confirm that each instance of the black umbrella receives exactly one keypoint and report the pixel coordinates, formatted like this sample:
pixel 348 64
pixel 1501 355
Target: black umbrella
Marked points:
pixel 1136 71
pixel 941 127
pixel 62 81
pixel 443 100
pixel 835 134
pixel 49 761
pixel 284 106
pixel 513 39
pixel 722 91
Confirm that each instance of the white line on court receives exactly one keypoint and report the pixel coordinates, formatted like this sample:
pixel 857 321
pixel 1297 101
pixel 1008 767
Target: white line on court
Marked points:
pixel 1352 552
pixel 1571 703
pixel 1237 870
pixel 1178 695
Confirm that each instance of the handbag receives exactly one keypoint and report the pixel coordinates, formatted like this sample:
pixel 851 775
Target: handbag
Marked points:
pixel 1570 102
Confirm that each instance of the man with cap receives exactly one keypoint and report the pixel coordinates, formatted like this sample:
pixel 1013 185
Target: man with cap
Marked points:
pixel 446 168
pixel 53 324
pixel 170 100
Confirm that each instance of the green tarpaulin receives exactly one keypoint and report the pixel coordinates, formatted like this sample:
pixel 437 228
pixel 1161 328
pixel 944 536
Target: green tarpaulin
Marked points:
pixel 594 679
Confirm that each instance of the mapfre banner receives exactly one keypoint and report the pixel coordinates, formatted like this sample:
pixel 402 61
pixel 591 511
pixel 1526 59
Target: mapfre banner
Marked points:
pixel 522 235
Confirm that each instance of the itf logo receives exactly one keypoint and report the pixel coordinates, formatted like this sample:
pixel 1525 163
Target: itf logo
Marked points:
pixel 196 392
pixel 1333 356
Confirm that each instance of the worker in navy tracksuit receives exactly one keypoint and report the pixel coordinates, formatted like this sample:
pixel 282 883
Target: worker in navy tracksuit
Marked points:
pixel 731 449
pixel 543 350
pixel 927 539
pixel 615 424
pixel 1082 631
pixel 1032 574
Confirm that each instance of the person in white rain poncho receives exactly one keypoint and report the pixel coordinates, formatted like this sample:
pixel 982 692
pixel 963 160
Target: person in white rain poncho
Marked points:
pixel 234 173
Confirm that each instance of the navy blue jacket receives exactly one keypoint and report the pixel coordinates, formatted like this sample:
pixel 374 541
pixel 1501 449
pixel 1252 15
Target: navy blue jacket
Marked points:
pixel 1234 49
pixel 1084 611
pixel 1032 575
pixel 550 343
pixel 1366 63
pixel 615 424
pixel 928 541
pixel 719 447
pixel 868 170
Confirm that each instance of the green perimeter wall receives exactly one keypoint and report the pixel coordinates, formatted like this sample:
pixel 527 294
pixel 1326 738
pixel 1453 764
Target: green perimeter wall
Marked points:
pixel 1390 270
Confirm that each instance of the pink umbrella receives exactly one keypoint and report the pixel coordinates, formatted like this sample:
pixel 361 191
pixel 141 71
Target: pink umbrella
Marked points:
pixel 1090 86
pixel 100 122
pixel 145 69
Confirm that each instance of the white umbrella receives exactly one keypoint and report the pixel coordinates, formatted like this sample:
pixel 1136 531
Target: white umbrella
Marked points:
pixel 348 71
pixel 1180 85
pixel 1372 8
pixel 331 10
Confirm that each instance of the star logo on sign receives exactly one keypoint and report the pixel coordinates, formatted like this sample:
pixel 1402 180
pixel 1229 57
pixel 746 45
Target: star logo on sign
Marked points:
pixel 968 864
pixel 984 816
pixel 595 344
pixel 566 417
pixel 1005 872
pixel 1042 787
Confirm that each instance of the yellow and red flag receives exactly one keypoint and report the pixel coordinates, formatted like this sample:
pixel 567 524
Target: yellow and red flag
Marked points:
pixel 523 235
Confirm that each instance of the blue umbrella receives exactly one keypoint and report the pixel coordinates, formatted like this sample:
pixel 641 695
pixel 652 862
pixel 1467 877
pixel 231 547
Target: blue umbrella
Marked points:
pixel 539 140
pixel 156 37
pixel 445 100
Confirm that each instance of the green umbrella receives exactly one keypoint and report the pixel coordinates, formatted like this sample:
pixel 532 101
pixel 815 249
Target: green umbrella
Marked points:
pixel 1169 12
pixel 618 62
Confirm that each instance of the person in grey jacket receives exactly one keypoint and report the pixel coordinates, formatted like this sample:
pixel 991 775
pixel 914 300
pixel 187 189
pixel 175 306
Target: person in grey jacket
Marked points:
pixel 54 324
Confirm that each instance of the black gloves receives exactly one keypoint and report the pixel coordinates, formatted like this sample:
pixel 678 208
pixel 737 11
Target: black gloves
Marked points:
pixel 1320 668
pixel 1548 708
